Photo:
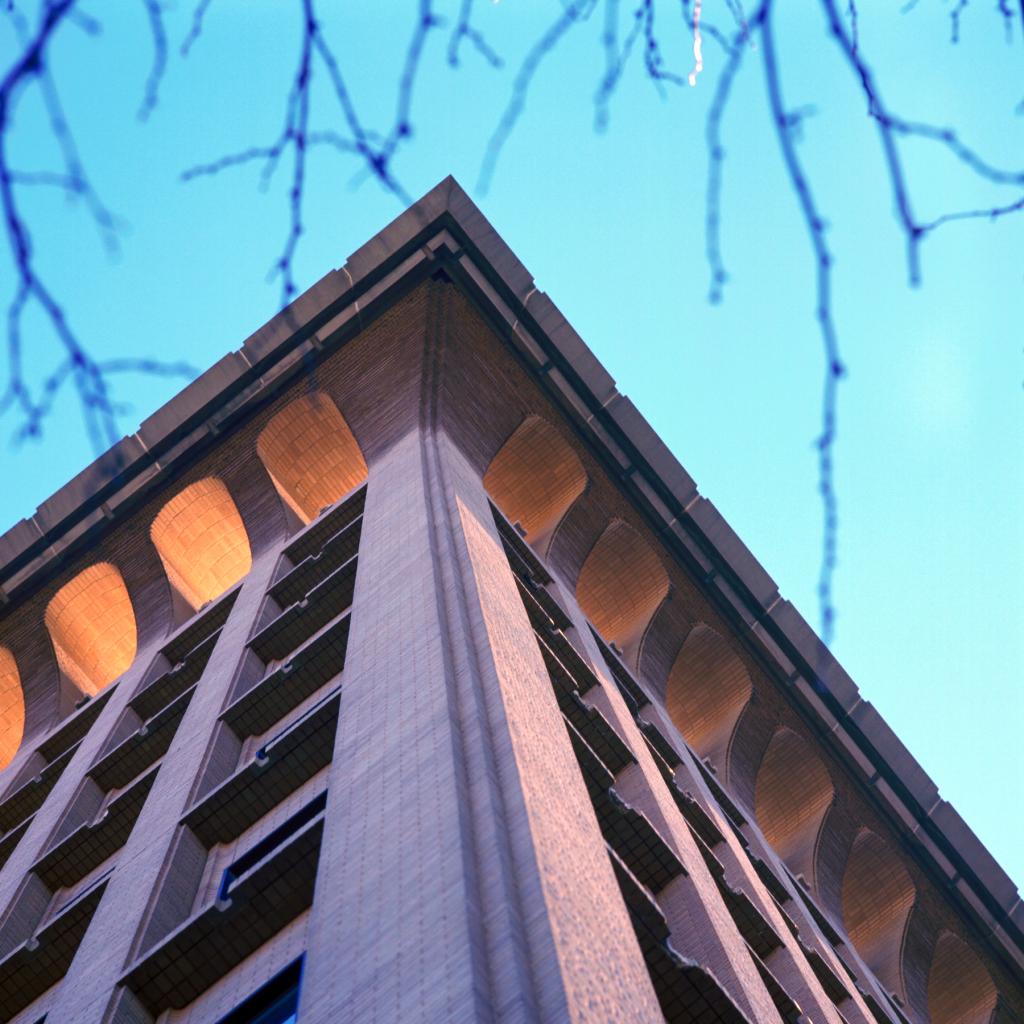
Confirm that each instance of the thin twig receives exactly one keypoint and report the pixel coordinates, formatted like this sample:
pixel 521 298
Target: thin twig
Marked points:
pixel 716 165
pixel 572 13
pixel 834 369
pixel 954 20
pixel 155 14
pixel 616 59
pixel 464 30
pixel 987 213
pixel 77 367
pixel 196 28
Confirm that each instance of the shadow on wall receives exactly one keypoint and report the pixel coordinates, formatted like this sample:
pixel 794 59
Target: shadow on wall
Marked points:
pixel 708 688
pixel 793 792
pixel 534 479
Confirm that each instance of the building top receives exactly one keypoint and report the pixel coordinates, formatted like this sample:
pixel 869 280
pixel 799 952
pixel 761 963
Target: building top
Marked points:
pixel 445 232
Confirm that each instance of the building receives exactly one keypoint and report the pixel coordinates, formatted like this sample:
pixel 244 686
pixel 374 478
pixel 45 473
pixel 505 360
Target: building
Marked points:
pixel 395 670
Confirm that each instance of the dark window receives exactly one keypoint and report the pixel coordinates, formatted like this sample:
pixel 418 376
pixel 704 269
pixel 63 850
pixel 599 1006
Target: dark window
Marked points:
pixel 244 864
pixel 276 1003
pixel 269 745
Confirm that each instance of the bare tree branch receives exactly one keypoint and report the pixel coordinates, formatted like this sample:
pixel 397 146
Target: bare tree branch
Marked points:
pixel 573 12
pixel 834 369
pixel 464 30
pixel 616 58
pixel 78 367
pixel 155 15
pixel 375 153
pixel 196 28
pixel 716 161
pixel 891 127
pixel 295 136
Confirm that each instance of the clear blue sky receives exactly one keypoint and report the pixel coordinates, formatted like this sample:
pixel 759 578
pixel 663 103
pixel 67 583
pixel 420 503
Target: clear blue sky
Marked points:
pixel 929 465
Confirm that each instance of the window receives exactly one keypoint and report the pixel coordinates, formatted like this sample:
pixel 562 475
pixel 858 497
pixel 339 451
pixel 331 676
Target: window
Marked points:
pixel 277 1002
pixel 254 855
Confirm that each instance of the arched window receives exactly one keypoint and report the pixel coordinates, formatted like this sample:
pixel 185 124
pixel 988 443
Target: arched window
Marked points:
pixel 12 708
pixel 311 455
pixel 202 541
pixel 960 990
pixel 708 688
pixel 878 895
pixel 792 793
pixel 620 586
pixel 92 626
pixel 534 479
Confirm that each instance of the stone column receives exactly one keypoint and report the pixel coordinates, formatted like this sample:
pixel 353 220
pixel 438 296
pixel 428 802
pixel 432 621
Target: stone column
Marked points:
pixel 463 876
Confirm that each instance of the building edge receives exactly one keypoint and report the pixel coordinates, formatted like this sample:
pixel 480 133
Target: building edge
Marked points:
pixel 445 233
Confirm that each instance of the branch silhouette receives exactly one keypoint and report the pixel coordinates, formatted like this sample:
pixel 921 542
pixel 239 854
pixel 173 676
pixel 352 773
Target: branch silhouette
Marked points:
pixel 891 128
pixel 464 30
pixel 376 154
pixel 629 34
pixel 77 367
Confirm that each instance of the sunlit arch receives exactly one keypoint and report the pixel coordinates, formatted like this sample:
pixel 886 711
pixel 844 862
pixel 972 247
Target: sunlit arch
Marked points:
pixel 708 688
pixel 877 897
pixel 201 541
pixel 92 626
pixel 620 586
pixel 12 708
pixel 534 479
pixel 311 455
pixel 793 791
pixel 960 989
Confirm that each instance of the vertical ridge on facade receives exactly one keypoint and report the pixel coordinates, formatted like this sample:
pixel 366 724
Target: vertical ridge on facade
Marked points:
pixel 395 670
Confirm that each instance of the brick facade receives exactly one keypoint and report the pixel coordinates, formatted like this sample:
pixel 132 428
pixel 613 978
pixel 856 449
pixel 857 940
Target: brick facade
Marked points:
pixel 398 645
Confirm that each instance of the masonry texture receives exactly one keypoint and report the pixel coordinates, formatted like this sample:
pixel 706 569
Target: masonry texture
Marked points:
pixel 396 671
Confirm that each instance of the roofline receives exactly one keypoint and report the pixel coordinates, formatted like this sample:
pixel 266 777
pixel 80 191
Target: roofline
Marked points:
pixel 445 231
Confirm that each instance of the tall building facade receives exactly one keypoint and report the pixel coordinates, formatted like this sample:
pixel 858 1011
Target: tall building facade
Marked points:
pixel 396 671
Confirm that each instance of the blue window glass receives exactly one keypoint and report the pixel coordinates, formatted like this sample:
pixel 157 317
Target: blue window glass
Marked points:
pixel 268 844
pixel 277 1002
pixel 283 1011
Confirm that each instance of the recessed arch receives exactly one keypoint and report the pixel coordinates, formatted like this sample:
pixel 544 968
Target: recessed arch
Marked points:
pixel 12 708
pixel 535 478
pixel 792 793
pixel 311 455
pixel 92 625
pixel 620 586
pixel 960 989
pixel 877 897
pixel 708 688
pixel 201 541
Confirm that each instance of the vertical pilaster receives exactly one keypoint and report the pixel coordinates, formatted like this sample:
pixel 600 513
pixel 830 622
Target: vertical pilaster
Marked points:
pixel 562 872
pixel 463 875
pixel 104 953
pixel 396 931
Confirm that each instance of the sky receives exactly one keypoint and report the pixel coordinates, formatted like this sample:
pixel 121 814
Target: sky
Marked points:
pixel 929 473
